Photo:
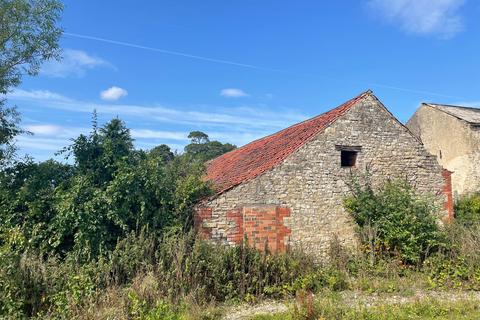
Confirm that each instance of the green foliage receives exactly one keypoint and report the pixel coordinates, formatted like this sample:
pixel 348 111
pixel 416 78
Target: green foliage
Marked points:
pixel 394 220
pixel 467 209
pixel 202 149
pixel 154 272
pixel 162 152
pixel 9 129
pixel 109 192
pixel 28 36
pixel 458 265
pixel 27 199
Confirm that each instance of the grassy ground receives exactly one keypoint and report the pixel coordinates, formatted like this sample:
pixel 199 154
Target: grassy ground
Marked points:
pixel 334 309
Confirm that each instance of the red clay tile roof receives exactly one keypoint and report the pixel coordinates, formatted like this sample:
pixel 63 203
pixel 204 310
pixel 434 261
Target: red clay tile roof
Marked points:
pixel 259 156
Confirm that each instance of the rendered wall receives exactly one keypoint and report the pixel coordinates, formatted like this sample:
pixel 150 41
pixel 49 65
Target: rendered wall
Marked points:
pixel 454 142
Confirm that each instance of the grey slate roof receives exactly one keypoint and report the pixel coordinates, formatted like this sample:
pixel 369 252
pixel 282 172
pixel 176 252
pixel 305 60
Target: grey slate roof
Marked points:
pixel 468 114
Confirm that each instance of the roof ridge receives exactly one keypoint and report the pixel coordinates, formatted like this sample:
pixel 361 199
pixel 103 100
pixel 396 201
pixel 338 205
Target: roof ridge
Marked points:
pixel 261 155
pixel 450 106
pixel 456 112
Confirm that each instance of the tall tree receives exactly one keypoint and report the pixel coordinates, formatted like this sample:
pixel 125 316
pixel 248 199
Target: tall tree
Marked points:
pixel 202 149
pixel 162 152
pixel 29 35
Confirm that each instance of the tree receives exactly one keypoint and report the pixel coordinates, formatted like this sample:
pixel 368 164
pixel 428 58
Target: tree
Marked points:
pixel 27 199
pixel 29 35
pixel 9 129
pixel 99 154
pixel 163 152
pixel 198 137
pixel 202 149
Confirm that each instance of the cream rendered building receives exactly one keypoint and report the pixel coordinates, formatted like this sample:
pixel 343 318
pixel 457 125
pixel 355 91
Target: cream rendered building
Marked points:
pixel 452 133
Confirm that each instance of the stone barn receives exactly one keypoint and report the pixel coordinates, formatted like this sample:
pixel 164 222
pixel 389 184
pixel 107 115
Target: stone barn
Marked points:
pixel 287 189
pixel 452 134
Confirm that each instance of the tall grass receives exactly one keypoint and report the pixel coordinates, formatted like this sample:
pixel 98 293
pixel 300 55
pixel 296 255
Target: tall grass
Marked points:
pixel 149 278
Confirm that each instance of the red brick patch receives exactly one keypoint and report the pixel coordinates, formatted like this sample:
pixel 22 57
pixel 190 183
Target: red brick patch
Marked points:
pixel 201 216
pixel 236 234
pixel 263 227
pixel 447 191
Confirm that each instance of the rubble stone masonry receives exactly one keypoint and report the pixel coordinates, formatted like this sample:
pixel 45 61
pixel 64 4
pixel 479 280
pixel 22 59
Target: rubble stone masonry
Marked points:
pixel 300 201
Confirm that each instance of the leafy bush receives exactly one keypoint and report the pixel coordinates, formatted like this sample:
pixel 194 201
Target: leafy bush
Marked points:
pixel 467 209
pixel 394 220
pixel 458 264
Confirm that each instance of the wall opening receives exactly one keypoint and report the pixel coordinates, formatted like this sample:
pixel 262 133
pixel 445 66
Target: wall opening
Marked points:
pixel 348 158
pixel 348 155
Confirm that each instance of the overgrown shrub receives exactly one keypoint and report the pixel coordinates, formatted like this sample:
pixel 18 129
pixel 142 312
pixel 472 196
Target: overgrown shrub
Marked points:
pixel 154 271
pixel 394 220
pixel 467 209
pixel 458 264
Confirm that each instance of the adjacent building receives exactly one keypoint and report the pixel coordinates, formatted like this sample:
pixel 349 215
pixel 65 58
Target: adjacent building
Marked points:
pixel 287 189
pixel 452 134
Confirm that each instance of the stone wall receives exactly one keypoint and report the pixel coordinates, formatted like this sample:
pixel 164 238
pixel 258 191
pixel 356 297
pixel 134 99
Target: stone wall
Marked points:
pixel 312 184
pixel 455 143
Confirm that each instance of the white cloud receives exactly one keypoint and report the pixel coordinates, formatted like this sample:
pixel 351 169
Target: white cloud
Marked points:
pixel 73 63
pixel 233 93
pixel 113 93
pixel 35 95
pixel 44 129
pixel 154 134
pixel 424 17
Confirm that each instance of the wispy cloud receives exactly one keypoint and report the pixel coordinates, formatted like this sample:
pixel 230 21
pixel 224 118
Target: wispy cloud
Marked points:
pixel 113 93
pixel 44 129
pixel 238 125
pixel 471 104
pixel 233 93
pixel 244 117
pixel 37 95
pixel 74 63
pixel 424 17
pixel 43 144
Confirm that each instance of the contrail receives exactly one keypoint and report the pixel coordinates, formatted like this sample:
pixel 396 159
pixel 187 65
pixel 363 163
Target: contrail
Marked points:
pixel 170 52
pixel 249 66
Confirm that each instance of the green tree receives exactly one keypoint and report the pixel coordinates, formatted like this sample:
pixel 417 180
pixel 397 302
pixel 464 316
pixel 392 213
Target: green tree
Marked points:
pixel 202 149
pixel 9 129
pixel 162 152
pixel 99 154
pixel 198 137
pixel 29 35
pixel 27 199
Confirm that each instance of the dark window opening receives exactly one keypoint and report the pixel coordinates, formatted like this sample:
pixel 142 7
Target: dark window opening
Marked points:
pixel 348 158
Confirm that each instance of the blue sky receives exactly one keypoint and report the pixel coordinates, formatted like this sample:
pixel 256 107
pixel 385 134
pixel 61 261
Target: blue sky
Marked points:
pixel 239 70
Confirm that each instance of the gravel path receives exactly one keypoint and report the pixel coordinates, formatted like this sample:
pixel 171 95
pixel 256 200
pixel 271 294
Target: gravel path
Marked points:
pixel 246 311
pixel 351 298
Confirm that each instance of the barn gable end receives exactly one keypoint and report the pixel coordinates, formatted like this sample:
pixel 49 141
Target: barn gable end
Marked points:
pixel 309 184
